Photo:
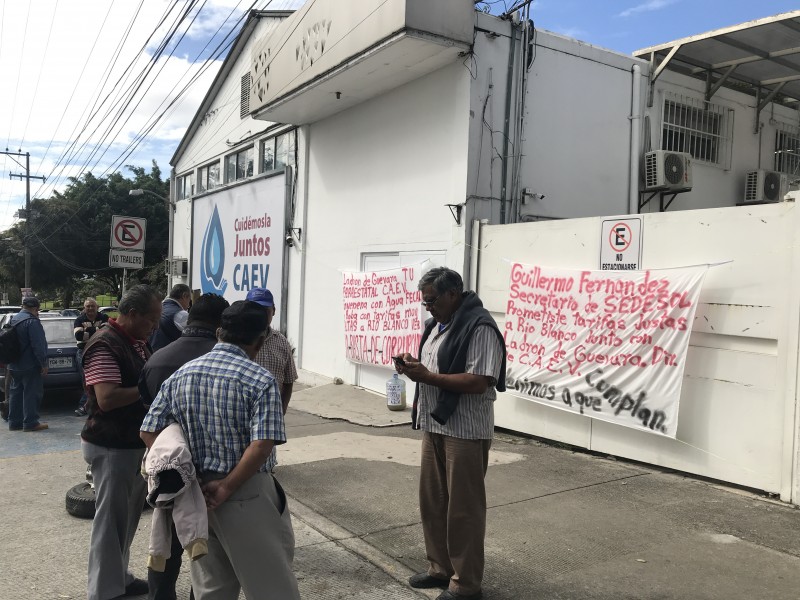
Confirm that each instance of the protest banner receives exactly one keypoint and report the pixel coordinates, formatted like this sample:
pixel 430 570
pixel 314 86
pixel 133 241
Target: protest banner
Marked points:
pixel 382 314
pixel 610 345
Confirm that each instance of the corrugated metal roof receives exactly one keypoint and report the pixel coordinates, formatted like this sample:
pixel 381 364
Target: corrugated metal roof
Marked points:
pixel 757 57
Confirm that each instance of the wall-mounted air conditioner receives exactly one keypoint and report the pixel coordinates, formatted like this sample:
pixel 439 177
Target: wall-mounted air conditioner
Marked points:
pixel 177 267
pixel 667 170
pixel 765 186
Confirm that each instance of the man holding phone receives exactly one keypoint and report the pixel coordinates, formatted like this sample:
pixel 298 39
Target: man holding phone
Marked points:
pixel 461 363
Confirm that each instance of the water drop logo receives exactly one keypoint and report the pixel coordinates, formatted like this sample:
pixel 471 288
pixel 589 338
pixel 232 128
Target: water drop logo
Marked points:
pixel 212 264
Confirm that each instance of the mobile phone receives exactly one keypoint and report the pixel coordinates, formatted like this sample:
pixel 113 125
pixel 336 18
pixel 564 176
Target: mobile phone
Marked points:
pixel 399 360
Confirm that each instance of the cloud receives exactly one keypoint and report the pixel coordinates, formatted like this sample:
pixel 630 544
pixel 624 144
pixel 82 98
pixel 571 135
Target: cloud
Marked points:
pixel 64 62
pixel 649 6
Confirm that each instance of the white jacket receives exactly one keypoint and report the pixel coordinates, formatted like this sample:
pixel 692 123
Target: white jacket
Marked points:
pixel 185 506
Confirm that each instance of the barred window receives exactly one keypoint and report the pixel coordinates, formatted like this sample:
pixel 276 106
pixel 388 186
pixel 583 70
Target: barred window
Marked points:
pixel 244 105
pixel 787 150
pixel 700 128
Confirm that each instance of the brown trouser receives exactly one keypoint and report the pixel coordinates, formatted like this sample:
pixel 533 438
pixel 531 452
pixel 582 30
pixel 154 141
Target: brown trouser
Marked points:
pixel 452 502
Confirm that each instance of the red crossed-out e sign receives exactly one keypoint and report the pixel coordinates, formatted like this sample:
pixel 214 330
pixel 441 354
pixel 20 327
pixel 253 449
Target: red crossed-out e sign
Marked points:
pixel 128 233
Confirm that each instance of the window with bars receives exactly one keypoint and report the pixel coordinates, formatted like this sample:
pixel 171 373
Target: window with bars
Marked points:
pixel 278 151
pixel 244 104
pixel 702 129
pixel 239 165
pixel 787 150
pixel 185 186
pixel 208 177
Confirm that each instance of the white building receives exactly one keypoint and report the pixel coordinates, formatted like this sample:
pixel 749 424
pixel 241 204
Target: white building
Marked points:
pixel 405 124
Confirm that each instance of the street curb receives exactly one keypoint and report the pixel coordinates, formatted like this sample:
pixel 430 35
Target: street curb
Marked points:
pixel 351 542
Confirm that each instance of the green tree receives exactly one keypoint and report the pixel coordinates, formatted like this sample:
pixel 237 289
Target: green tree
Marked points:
pixel 70 232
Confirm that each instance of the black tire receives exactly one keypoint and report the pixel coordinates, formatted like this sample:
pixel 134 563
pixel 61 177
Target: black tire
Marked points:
pixel 80 501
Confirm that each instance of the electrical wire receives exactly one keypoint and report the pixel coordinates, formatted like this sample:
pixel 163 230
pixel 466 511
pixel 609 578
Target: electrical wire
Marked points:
pixel 171 105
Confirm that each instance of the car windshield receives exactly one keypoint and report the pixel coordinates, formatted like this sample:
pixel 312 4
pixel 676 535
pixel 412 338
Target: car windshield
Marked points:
pixel 58 331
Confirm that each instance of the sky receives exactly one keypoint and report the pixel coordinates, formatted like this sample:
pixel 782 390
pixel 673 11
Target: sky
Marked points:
pixel 95 85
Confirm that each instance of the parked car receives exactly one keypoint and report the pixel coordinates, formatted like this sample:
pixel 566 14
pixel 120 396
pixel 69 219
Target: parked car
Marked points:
pixel 111 311
pixel 4 310
pixel 70 312
pixel 62 367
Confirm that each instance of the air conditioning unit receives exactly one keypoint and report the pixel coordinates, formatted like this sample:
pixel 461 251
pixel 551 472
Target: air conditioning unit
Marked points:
pixel 765 186
pixel 178 267
pixel 667 170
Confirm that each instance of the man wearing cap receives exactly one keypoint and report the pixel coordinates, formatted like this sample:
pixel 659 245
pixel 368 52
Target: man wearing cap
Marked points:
pixel 250 538
pixel 27 373
pixel 276 355
pixel 198 337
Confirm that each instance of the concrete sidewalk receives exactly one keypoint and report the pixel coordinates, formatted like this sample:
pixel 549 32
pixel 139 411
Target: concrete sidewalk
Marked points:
pixel 561 524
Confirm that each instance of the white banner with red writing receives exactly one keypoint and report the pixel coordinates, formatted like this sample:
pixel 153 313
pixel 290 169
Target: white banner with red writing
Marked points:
pixel 606 344
pixel 382 314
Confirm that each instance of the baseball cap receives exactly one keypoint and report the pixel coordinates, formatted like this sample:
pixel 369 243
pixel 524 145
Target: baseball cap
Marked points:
pixel 30 301
pixel 260 296
pixel 242 318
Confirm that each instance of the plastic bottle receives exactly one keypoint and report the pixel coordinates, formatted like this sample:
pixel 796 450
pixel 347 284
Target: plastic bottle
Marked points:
pixel 396 393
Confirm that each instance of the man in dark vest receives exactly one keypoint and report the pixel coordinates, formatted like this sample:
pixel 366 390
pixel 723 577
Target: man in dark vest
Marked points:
pixel 199 337
pixel 174 314
pixel 113 360
pixel 461 363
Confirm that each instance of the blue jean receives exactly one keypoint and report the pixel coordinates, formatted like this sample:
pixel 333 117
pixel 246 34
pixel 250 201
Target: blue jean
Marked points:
pixel 24 398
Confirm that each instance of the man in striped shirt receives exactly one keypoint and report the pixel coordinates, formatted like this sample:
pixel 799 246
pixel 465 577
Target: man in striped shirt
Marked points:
pixel 462 361
pixel 231 415
pixel 112 360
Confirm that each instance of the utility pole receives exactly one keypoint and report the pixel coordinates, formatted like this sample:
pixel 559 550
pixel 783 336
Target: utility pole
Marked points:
pixel 27 176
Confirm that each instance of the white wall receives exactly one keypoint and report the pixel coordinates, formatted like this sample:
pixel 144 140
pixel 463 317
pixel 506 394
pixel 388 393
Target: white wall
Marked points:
pixel 221 132
pixel 379 176
pixel 576 140
pixel 737 419
pixel 714 186
pixel 222 129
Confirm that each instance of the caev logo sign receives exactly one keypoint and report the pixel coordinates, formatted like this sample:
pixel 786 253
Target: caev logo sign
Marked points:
pixel 212 263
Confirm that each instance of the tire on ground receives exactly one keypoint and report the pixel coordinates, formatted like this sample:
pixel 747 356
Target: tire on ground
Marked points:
pixel 80 501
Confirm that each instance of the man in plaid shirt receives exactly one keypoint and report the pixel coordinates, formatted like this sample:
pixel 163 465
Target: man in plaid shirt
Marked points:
pixel 276 353
pixel 231 416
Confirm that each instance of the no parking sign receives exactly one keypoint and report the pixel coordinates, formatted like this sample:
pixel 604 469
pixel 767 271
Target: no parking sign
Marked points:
pixel 621 245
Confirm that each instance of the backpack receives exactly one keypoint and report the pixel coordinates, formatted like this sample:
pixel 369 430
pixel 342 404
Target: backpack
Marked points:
pixel 10 347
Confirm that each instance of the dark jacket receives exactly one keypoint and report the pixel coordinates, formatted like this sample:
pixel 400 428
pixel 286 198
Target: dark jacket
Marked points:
pixel 167 331
pixel 452 356
pixel 99 320
pixel 193 343
pixel 118 428
pixel 32 342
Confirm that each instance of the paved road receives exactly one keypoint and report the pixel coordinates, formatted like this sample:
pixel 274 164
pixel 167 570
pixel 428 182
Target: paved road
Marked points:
pixel 561 524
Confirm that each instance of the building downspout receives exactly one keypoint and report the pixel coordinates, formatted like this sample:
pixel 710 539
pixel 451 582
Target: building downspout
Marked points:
pixel 301 304
pixel 636 130
pixel 507 125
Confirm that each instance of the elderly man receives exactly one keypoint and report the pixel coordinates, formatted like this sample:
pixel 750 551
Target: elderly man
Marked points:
pixel 251 542
pixel 113 360
pixel 174 314
pixel 462 360
pixel 199 337
pixel 85 326
pixel 27 373
pixel 276 355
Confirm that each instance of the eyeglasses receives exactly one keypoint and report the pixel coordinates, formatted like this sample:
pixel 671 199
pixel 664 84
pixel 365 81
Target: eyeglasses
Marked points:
pixel 429 303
